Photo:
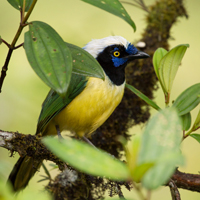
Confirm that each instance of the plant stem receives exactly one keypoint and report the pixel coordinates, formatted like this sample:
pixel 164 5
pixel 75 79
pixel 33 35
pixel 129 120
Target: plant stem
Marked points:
pixel 167 97
pixel 12 46
pixel 138 190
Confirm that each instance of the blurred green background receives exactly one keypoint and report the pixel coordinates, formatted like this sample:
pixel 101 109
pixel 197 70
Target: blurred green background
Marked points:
pixel 77 22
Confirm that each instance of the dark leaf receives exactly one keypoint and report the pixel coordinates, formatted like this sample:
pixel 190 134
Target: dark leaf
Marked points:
pixel 188 99
pixel 142 96
pixel 18 4
pixel 49 56
pixel 114 7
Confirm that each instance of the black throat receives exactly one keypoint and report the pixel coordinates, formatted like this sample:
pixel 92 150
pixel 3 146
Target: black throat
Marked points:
pixel 115 74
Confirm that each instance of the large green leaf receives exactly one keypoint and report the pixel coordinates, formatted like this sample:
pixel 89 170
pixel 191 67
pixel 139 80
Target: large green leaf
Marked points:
pixel 88 159
pixel 84 63
pixel 160 145
pixel 143 97
pixel 49 56
pixel 169 64
pixel 114 7
pixel 188 99
pixel 18 4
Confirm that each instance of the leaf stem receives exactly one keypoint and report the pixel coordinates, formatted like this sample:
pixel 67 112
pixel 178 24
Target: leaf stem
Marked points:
pixel 138 190
pixel 12 45
pixel 167 97
pixel 188 133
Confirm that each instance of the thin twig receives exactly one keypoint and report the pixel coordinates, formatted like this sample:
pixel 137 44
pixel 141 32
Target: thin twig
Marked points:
pixel 12 46
pixel 8 45
pixel 139 192
pixel 148 194
pixel 174 190
pixel 139 4
pixel 20 45
pixel 132 4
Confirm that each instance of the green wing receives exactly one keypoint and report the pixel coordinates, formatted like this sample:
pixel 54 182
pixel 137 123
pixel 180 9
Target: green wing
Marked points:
pixel 53 103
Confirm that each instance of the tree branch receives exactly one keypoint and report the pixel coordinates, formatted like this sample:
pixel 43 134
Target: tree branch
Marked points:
pixel 187 181
pixel 29 145
pixel 32 146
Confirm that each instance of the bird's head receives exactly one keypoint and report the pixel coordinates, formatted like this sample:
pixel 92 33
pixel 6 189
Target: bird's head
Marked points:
pixel 114 53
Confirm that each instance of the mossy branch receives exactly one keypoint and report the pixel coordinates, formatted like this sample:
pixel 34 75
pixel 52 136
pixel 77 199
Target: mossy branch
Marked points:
pixel 29 145
pixel 32 146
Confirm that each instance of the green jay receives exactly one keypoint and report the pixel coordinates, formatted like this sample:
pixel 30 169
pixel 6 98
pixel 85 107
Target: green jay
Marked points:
pixel 89 103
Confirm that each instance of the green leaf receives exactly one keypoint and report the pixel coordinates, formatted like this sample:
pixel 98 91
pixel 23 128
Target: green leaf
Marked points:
pixel 49 56
pixel 132 152
pixel 197 122
pixel 162 170
pixel 143 97
pixel 196 136
pixel 88 159
pixel 84 63
pixel 158 55
pixel 160 145
pixel 6 191
pixel 114 7
pixel 18 4
pixel 140 170
pixel 136 171
pixel 169 64
pixel 32 194
pixel 188 99
pixel 186 121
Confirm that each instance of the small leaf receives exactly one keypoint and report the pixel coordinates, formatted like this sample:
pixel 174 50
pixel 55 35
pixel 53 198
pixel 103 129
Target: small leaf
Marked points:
pixel 188 99
pixel 46 171
pixel 158 55
pixel 49 56
pixel 143 97
pixel 132 153
pixel 86 158
pixel 84 63
pixel 18 4
pixel 196 136
pixel 169 64
pixel 114 7
pixel 186 121
pixel 44 179
pixel 197 122
pixel 160 145
pixel 140 170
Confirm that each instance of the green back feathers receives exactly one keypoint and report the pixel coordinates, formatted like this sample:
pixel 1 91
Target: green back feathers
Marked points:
pixel 53 103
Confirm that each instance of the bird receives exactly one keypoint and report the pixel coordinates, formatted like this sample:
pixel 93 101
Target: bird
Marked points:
pixel 89 103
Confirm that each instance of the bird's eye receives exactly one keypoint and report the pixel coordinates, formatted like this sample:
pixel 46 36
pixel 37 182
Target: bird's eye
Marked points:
pixel 116 53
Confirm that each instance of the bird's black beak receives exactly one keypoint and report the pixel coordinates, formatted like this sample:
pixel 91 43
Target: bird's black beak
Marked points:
pixel 138 55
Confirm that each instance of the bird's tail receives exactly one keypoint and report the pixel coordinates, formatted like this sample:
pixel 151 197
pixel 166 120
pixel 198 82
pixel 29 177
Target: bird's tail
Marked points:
pixel 23 171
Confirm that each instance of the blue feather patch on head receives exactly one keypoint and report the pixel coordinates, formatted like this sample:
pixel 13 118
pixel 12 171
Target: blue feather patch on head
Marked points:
pixel 116 49
pixel 118 61
pixel 131 49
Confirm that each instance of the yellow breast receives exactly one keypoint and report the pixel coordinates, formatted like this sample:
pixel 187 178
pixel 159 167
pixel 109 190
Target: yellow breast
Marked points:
pixel 90 109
